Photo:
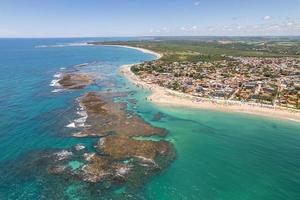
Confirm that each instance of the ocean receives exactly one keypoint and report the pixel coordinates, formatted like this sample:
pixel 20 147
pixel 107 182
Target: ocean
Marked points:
pixel 226 156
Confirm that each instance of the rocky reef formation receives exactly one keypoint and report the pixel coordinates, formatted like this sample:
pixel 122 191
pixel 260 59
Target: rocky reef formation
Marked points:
pixel 118 164
pixel 122 148
pixel 75 81
pixel 108 117
pixel 126 166
pixel 120 159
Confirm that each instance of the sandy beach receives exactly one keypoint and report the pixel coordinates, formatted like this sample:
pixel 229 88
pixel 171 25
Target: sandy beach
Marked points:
pixel 166 97
pixel 157 55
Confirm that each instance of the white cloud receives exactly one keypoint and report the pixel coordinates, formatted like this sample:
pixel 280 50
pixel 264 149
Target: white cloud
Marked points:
pixel 165 29
pixel 8 32
pixel 272 27
pixel 197 3
pixel 267 17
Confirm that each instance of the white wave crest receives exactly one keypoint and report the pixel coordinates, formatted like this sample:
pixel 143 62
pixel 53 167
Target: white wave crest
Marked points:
pixel 54 83
pixel 79 122
pixel 71 125
pixel 58 75
pixel 82 65
pixel 75 44
pixel 57 90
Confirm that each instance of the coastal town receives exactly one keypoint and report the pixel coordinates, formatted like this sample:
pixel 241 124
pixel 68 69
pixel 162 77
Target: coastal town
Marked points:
pixel 273 81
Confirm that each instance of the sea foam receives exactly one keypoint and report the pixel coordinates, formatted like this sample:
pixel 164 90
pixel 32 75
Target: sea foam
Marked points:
pixel 54 82
pixel 79 122
pixel 75 44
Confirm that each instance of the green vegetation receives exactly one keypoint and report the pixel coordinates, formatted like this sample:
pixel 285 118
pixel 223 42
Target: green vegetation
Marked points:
pixel 212 49
pixel 262 70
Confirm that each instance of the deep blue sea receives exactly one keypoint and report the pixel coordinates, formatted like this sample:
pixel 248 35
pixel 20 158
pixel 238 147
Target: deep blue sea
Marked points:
pixel 219 155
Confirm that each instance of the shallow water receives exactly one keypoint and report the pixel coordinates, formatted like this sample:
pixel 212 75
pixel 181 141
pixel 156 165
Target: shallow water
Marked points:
pixel 219 155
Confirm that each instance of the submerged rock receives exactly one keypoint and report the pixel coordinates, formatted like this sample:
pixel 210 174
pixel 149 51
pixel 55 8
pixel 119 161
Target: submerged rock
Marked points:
pixel 79 147
pixel 103 168
pixel 132 101
pixel 123 148
pixel 62 155
pixel 157 117
pixel 59 169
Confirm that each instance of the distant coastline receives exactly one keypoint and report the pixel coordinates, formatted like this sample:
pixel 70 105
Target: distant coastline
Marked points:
pixel 171 98
pixel 147 51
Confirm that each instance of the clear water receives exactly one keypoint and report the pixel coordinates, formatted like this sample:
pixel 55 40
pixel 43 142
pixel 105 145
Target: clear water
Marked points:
pixel 219 155
pixel 74 164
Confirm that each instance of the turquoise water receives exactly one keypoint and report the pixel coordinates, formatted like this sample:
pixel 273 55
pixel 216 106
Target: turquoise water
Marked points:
pixel 74 164
pixel 219 155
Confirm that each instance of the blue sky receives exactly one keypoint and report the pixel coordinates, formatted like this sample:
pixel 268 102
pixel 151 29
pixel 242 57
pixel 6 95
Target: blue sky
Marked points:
pixel 88 18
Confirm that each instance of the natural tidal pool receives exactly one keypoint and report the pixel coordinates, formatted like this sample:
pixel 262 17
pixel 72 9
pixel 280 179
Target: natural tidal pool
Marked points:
pixel 117 152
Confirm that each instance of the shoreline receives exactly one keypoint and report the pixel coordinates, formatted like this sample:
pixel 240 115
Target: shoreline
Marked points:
pixel 146 51
pixel 170 98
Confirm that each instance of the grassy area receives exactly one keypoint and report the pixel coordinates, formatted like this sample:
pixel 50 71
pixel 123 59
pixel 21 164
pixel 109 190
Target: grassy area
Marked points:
pixel 209 50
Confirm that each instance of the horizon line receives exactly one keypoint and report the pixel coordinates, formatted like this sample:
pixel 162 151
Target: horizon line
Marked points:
pixel 66 37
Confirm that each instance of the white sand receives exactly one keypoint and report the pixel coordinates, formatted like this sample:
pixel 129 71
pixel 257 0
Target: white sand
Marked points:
pixel 157 55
